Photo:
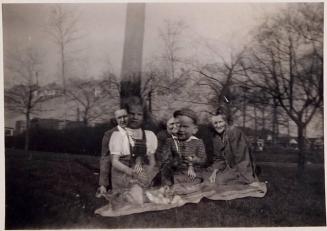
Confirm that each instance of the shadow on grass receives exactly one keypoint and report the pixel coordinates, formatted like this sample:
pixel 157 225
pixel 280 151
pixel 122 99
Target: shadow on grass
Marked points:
pixel 54 191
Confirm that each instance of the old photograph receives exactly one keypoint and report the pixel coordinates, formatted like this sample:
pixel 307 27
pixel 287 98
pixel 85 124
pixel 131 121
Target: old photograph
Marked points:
pixel 122 115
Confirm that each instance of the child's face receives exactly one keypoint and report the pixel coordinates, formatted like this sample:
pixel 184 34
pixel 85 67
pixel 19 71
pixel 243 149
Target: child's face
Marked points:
pixel 187 128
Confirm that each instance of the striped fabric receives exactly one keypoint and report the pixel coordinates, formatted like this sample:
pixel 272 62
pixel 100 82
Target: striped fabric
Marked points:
pixel 193 148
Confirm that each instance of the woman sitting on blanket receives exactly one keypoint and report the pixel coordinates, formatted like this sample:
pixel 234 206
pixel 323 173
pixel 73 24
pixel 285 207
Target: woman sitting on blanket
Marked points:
pixel 132 152
pixel 233 163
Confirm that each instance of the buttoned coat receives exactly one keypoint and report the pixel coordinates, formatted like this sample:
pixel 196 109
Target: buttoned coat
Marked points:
pixel 232 150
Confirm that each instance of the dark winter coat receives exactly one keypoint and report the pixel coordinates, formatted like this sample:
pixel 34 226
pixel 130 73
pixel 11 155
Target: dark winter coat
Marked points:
pixel 232 149
pixel 105 159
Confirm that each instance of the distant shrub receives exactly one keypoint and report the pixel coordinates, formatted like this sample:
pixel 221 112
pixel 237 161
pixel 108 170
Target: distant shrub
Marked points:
pixel 81 140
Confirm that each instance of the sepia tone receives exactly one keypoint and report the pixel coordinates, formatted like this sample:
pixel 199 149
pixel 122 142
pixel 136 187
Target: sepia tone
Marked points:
pixel 69 67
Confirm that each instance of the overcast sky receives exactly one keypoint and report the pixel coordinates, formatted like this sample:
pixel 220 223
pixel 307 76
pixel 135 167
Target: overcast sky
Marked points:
pixel 226 25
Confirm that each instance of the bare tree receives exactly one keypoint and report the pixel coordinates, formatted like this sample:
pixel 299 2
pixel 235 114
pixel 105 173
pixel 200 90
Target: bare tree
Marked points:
pixel 222 79
pixel 287 65
pixel 157 83
pixel 266 112
pixel 171 36
pixel 164 77
pixel 26 95
pixel 91 98
pixel 111 85
pixel 150 84
pixel 64 32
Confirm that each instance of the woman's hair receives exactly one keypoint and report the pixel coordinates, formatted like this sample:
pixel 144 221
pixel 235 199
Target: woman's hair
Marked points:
pixel 225 113
pixel 149 122
pixel 134 102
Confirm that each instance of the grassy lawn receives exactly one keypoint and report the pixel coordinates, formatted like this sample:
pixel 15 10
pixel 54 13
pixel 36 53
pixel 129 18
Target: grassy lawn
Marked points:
pixel 54 191
pixel 283 155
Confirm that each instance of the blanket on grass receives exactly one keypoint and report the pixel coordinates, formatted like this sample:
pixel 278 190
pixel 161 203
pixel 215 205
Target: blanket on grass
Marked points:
pixel 163 198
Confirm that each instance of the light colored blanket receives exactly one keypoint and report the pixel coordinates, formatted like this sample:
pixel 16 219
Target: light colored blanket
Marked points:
pixel 161 199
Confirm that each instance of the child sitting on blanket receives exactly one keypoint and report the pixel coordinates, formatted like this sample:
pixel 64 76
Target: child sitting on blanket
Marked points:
pixel 183 156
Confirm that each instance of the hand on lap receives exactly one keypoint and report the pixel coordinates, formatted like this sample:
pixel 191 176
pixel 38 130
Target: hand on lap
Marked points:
pixel 191 173
pixel 212 178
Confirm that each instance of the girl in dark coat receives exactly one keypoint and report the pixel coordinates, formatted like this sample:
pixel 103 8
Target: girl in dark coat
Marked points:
pixel 232 157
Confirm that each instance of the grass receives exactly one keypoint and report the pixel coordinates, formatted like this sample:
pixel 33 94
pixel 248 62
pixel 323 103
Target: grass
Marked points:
pixel 283 155
pixel 54 191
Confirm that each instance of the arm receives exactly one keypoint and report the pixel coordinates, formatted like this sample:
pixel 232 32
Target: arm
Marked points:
pixel 241 154
pixel 105 143
pixel 151 142
pixel 152 145
pixel 105 163
pixel 116 147
pixel 219 163
pixel 198 159
pixel 212 177
pixel 120 166
pixel 197 155
pixel 201 156
pixel 152 161
pixel 105 166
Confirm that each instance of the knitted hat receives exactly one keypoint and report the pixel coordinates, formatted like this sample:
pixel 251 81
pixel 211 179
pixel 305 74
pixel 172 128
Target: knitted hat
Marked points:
pixel 186 112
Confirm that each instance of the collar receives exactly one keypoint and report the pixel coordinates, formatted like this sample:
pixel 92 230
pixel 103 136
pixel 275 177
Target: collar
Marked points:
pixel 127 129
pixel 191 138
pixel 122 130
pixel 132 130
pixel 174 137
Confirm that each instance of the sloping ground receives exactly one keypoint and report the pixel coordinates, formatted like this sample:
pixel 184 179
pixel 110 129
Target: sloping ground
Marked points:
pixel 54 191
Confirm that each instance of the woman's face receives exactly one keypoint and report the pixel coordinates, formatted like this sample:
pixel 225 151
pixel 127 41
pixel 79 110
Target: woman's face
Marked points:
pixel 173 126
pixel 219 123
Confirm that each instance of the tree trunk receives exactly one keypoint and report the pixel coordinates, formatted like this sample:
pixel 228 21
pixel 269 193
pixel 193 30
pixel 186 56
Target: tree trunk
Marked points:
pixel 132 54
pixel 322 115
pixel 263 121
pixel 27 135
pixel 63 76
pixel 275 121
pixel 150 101
pixel 301 153
pixel 130 91
pixel 62 53
pixel 255 121
pixel 244 110
pixel 85 121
